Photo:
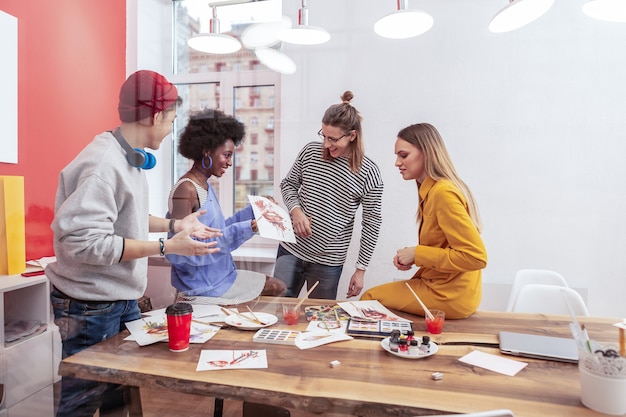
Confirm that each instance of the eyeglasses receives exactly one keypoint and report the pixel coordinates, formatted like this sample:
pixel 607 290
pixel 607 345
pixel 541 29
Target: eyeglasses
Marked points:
pixel 331 140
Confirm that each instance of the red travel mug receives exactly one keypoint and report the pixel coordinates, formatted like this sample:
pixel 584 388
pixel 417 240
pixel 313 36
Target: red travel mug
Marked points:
pixel 178 326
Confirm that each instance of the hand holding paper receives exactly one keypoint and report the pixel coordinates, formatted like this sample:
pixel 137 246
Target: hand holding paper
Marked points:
pixel 271 219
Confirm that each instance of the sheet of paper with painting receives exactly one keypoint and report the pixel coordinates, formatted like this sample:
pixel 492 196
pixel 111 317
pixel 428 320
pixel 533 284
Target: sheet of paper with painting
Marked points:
pixel 215 360
pixel 272 220
pixel 308 340
pixel 369 310
pixel 152 329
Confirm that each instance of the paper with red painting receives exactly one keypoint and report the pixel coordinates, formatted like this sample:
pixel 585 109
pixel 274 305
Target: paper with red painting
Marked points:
pixel 272 220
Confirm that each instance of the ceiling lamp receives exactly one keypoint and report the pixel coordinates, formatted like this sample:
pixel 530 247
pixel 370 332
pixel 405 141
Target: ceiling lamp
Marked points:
pixel 260 35
pixel 610 10
pixel 403 23
pixel 214 42
pixel 303 34
pixel 275 60
pixel 519 13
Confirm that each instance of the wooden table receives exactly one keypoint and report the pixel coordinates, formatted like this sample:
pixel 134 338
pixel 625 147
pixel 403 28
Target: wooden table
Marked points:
pixel 369 381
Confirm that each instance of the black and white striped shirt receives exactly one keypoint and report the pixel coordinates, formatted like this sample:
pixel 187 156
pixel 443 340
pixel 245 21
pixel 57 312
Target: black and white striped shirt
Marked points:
pixel 331 193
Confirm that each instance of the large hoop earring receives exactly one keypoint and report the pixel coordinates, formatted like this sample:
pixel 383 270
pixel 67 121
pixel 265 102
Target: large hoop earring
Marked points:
pixel 210 162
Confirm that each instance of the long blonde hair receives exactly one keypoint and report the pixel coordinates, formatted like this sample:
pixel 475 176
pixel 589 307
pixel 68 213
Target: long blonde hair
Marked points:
pixel 437 162
pixel 346 117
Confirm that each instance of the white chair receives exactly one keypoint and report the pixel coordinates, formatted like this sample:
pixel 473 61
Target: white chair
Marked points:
pixel 549 299
pixel 490 413
pixel 533 276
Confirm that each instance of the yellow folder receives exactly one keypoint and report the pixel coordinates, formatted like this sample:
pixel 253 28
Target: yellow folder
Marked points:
pixel 12 226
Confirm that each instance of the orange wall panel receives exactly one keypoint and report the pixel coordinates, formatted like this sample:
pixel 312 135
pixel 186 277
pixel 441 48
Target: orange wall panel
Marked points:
pixel 71 63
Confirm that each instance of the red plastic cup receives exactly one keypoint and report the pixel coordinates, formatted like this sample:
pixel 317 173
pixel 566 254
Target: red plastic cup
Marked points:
pixel 178 326
pixel 435 326
pixel 291 313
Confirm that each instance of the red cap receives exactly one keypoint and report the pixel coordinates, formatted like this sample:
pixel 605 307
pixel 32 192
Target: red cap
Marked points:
pixel 144 94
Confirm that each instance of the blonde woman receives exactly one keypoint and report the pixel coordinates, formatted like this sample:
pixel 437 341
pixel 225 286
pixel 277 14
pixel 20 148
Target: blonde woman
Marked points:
pixel 450 254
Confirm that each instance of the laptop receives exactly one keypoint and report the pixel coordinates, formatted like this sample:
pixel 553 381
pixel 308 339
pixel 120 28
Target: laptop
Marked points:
pixel 539 347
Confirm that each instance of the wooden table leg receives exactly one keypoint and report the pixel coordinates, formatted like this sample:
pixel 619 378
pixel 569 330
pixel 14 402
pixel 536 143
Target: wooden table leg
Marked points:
pixel 134 403
pixel 219 407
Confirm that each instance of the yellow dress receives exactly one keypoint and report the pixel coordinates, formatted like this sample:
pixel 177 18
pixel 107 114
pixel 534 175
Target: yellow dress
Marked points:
pixel 450 257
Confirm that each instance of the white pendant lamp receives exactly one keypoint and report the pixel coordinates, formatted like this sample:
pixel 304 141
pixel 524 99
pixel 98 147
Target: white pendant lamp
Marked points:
pixel 403 23
pixel 264 34
pixel 214 42
pixel 275 60
pixel 519 13
pixel 609 10
pixel 303 34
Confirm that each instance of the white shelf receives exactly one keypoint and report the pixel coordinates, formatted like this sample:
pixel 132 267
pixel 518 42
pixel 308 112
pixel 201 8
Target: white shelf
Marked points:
pixel 26 365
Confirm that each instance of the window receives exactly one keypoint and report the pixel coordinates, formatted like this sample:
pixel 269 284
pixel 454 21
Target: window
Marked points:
pixel 238 85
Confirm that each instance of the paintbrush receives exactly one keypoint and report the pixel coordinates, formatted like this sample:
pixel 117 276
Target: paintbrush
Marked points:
pixel 426 310
pixel 306 296
pixel 255 316
pixel 251 319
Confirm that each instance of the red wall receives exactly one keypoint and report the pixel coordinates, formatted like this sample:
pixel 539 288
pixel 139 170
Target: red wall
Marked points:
pixel 71 63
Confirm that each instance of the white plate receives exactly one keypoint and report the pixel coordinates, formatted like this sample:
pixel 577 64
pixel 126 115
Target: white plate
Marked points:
pixel 237 321
pixel 433 349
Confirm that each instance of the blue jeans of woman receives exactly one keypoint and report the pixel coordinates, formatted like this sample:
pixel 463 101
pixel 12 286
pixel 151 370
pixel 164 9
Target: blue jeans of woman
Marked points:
pixel 294 272
pixel 83 324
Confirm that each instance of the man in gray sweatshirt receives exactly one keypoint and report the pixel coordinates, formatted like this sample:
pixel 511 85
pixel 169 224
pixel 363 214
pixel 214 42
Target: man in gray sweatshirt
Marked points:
pixel 101 225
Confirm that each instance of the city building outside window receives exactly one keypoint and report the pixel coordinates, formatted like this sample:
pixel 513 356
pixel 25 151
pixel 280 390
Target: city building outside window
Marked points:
pixel 236 84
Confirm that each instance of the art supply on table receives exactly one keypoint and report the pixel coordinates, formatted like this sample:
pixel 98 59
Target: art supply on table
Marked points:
pixel 371 310
pixel 178 326
pixel 255 316
pixel 307 295
pixel 274 336
pixel 238 314
pixel 291 313
pixel 249 324
pixel 403 346
pixel 326 312
pixel 377 328
pixel 428 313
pixel 334 364
pixel 434 324
pixel 402 350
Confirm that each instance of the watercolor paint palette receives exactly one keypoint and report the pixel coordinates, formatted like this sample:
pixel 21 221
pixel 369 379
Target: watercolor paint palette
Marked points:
pixel 378 328
pixel 280 337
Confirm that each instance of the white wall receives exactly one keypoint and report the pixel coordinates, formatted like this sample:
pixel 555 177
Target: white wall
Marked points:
pixel 534 120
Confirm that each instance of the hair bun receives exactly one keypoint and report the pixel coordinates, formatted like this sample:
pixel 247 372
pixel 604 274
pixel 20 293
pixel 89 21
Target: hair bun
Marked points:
pixel 346 97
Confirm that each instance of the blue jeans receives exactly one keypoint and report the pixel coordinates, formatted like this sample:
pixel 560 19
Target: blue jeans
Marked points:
pixel 294 272
pixel 83 324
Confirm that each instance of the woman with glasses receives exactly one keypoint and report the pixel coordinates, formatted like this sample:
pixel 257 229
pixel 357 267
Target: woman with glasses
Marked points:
pixel 209 140
pixel 450 254
pixel 325 186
